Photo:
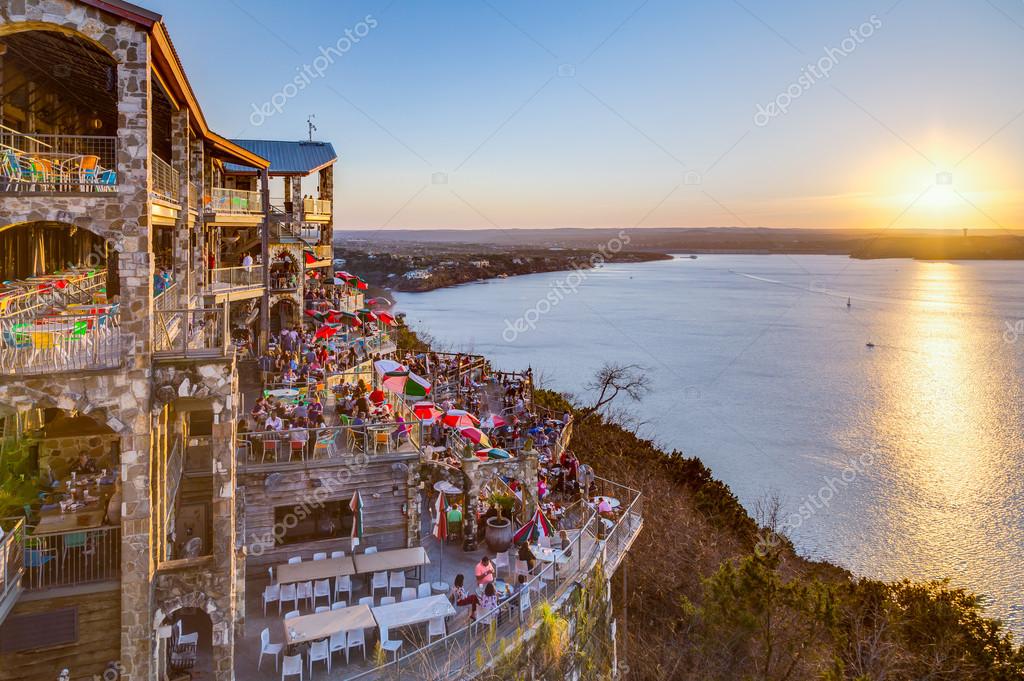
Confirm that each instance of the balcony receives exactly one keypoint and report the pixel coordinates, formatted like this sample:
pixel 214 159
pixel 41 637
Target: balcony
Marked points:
pixel 235 283
pixel 312 447
pixel 34 163
pixel 233 207
pixel 61 343
pixel 72 558
pixel 12 563
pixel 166 182
pixel 316 210
pixel 190 334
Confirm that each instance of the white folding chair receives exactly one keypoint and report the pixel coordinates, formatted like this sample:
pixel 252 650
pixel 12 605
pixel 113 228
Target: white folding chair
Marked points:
pixel 339 605
pixel 423 591
pixel 291 613
pixel 294 559
pixel 271 593
pixel 304 591
pixel 319 652
pixel 337 554
pixel 321 555
pixel 379 581
pixel 288 593
pixel 435 628
pixel 322 587
pixel 500 561
pixel 343 585
pixel 397 580
pixel 321 608
pixel 366 600
pixel 387 600
pixel 268 648
pixel 521 568
pixel 370 549
pixel 291 666
pixel 408 594
pixel 355 639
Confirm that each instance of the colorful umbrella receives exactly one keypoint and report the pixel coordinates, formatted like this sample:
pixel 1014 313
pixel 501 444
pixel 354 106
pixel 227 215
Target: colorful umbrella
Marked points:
pixel 384 366
pixel 387 318
pixel 475 435
pixel 317 316
pixel 494 421
pixel 537 527
pixel 377 396
pixel 367 315
pixel 493 453
pixel 324 332
pixel 406 383
pixel 427 411
pixel 458 418
pixel 378 301
pixel 356 506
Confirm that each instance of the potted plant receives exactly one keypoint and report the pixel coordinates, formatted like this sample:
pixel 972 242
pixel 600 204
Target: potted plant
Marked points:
pixel 498 534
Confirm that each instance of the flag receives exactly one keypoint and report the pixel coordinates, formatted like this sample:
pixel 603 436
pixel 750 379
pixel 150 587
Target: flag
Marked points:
pixel 310 256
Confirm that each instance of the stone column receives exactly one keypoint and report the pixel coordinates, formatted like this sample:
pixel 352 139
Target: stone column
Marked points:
pixel 470 468
pixel 412 501
pixel 181 158
pixel 199 179
pixel 298 214
pixel 327 192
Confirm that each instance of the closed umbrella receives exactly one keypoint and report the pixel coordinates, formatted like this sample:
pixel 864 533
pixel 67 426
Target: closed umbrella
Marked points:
pixel 356 506
pixel 440 532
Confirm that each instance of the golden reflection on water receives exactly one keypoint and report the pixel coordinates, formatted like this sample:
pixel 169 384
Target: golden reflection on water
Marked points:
pixel 939 420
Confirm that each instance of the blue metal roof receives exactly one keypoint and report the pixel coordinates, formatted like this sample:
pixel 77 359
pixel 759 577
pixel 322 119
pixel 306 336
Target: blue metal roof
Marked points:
pixel 286 158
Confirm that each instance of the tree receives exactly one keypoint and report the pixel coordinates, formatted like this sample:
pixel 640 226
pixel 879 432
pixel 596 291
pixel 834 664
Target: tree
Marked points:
pixel 613 380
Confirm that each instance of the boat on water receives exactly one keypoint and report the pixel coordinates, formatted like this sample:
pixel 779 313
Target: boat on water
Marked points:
pixel 849 303
pixel 870 344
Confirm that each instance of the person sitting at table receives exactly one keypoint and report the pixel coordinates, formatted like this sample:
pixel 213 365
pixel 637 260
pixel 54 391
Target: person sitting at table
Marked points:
pixel 604 507
pixel 454 522
pixel 484 571
pixel 526 555
pixel 460 598
pixel 84 465
pixel 401 432
pixel 301 411
pixel 489 601
pixel 273 422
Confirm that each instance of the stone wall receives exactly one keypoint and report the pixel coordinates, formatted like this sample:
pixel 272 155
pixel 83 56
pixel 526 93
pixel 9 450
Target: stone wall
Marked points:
pixel 60 454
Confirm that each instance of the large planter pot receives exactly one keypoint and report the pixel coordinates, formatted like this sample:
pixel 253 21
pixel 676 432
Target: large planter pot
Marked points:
pixel 498 535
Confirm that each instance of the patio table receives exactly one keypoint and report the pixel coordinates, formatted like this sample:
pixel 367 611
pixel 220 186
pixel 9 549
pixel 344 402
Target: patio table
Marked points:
pixel 321 625
pixel 547 555
pixel 283 392
pixel 52 522
pixel 406 613
pixel 310 570
pixel 398 559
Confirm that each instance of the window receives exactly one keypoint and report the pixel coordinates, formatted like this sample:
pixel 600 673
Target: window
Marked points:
pixel 310 522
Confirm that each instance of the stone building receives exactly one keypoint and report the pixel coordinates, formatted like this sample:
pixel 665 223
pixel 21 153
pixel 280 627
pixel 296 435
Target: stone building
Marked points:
pixel 124 222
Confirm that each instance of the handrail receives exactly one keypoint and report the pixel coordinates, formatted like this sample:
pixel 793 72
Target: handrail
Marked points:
pixel 300 446
pixel 12 563
pixel 70 558
pixel 166 184
pixel 234 201
pixel 61 343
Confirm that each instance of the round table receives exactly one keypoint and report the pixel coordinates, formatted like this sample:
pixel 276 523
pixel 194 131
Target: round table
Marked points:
pixel 283 392
pixel 612 501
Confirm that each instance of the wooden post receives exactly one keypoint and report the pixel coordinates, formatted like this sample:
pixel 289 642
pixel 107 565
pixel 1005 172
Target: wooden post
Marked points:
pixel 265 250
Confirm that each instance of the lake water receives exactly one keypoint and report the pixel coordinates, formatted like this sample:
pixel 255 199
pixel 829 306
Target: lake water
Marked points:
pixel 901 460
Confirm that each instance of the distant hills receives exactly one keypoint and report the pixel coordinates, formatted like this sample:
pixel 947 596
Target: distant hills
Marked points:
pixel 917 244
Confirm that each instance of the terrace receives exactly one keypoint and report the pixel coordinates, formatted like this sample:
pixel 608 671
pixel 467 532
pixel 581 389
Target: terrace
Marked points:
pixel 198 333
pixel 235 283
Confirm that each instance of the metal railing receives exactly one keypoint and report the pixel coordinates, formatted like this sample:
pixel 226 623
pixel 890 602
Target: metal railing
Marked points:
pixel 284 448
pixel 236 278
pixel 31 162
pixel 166 184
pixel 324 251
pixel 71 558
pixel 165 300
pixel 12 564
pixel 56 292
pixel 190 333
pixel 193 196
pixel 62 343
pixel 284 282
pixel 235 202
pixel 316 206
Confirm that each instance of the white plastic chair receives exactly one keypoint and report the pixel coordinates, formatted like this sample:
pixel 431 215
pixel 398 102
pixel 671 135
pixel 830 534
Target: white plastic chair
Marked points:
pixel 320 555
pixel 370 549
pixel 338 643
pixel 389 645
pixel 270 571
pixel 319 652
pixel 366 600
pixel 355 639
pixel 322 608
pixel 268 648
pixel 288 593
pixel 322 587
pixel 304 591
pixel 408 594
pixel 343 585
pixel 379 581
pixel 436 628
pixel 291 666
pixel 339 605
pixel 524 604
pixel 291 613
pixel 521 569
pixel 294 559
pixel 337 554
pixel 500 561
pixel 423 591
pixel 397 581
pixel 186 639
pixel 387 600
pixel 271 593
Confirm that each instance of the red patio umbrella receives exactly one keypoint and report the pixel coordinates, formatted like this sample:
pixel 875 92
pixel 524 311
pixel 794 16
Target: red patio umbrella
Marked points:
pixel 427 411
pixel 459 418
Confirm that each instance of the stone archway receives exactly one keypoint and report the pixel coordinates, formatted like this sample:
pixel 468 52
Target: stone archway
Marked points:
pixel 175 597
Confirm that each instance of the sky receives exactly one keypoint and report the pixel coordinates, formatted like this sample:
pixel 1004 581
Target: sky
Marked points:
pixel 630 113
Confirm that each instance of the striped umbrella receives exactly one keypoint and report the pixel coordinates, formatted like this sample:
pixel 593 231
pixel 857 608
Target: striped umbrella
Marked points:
pixel 440 532
pixel 367 315
pixel 378 301
pixel 427 411
pixel 406 383
pixel 475 435
pixel 324 332
pixel 538 526
pixel 386 318
pixel 459 418
pixel 384 366
pixel 494 421
pixel 493 453
pixel 356 506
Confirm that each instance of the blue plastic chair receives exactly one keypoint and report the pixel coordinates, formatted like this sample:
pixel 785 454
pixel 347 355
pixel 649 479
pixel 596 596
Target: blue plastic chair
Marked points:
pixel 36 558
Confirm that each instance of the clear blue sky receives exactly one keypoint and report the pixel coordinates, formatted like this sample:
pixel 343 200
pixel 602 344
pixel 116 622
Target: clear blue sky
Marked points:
pixel 631 113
